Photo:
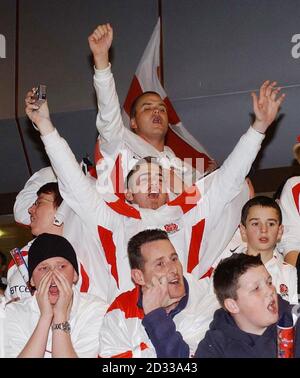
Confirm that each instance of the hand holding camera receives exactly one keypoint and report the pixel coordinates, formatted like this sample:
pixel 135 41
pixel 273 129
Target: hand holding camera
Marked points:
pixel 39 94
pixel 36 106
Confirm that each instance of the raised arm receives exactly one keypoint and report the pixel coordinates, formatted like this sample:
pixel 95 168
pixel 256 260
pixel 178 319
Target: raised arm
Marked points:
pixel 109 121
pixel 39 115
pixel 100 42
pixel 237 165
pixel 231 175
pixel 76 189
pixel 266 106
pixel 222 191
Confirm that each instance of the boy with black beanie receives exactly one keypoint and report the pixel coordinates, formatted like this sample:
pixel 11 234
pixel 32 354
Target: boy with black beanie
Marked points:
pixel 58 320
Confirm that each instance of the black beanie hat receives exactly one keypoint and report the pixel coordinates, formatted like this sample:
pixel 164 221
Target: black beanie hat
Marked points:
pixel 46 246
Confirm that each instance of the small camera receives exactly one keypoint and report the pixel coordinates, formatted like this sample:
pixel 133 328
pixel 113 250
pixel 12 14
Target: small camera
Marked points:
pixel 40 95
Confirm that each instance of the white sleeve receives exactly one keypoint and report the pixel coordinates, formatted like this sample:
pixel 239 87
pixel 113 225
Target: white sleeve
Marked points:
pixel 223 228
pixel 220 187
pixel 109 120
pixel 76 189
pixel 114 337
pixel 290 240
pixel 224 192
pixel 27 196
pixel 121 338
pixel 230 177
pixel 87 328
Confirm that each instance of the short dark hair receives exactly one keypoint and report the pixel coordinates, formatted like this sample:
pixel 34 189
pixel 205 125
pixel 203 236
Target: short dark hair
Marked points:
pixel 136 100
pixel 145 160
pixel 262 201
pixel 228 272
pixel 51 188
pixel 137 241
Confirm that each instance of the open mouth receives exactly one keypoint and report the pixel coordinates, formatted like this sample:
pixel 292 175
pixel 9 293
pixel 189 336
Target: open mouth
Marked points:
pixel 263 240
pixel 53 289
pixel 157 120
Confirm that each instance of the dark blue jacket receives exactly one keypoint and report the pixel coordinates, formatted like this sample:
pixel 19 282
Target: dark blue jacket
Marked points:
pixel 161 329
pixel 225 339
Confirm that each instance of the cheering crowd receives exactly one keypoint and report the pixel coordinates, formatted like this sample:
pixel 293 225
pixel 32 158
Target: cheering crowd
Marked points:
pixel 150 257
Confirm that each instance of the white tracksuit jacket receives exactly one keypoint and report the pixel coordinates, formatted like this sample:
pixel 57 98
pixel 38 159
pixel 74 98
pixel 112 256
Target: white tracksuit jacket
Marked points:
pixel 199 231
pixel 86 318
pixel 284 277
pixel 290 207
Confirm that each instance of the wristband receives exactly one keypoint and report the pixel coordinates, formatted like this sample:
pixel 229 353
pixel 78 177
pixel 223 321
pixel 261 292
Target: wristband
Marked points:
pixel 64 326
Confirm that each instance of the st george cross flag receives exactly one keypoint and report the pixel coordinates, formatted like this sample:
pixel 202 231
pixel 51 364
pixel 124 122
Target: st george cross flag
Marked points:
pixel 145 79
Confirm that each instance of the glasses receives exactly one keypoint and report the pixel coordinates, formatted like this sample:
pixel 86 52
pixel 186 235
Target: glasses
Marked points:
pixel 40 201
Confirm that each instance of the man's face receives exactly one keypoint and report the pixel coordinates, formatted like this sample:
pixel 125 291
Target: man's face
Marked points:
pixel 257 301
pixel 262 230
pixel 151 118
pixel 54 263
pixel 42 214
pixel 146 187
pixel 161 259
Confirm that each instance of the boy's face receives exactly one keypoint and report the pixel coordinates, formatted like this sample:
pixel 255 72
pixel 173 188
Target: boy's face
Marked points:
pixel 262 230
pixel 256 304
pixel 50 265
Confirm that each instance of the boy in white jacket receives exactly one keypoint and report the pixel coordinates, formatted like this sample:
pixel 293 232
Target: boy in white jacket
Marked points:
pixel 261 228
pixel 58 320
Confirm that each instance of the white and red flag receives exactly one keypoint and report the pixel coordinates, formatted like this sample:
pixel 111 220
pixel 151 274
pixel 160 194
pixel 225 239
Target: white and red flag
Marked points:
pixel 145 79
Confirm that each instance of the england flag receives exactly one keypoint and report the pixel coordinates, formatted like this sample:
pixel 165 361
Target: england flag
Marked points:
pixel 145 79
